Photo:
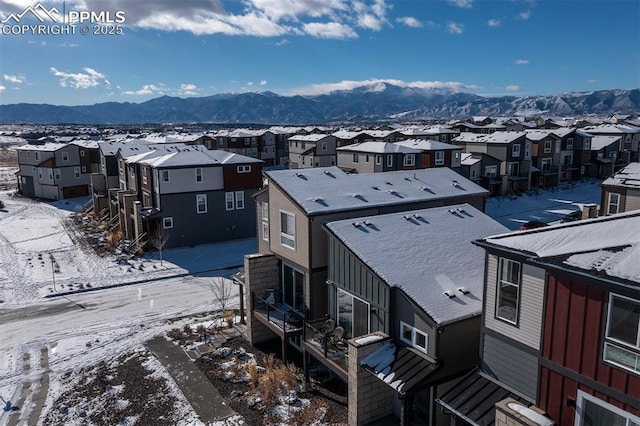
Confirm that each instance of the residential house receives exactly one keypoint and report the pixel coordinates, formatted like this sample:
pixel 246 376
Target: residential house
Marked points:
pixel 372 157
pixel 312 150
pixel 481 169
pixel 347 137
pixel 561 318
pixel 434 153
pixel 412 314
pixel 240 141
pixel 514 152
pixel 621 192
pixel 582 153
pixel 604 152
pixel 545 157
pixel 628 150
pixel 293 207
pixel 52 171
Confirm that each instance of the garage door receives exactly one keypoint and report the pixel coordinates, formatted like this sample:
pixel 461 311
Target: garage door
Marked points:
pixel 75 191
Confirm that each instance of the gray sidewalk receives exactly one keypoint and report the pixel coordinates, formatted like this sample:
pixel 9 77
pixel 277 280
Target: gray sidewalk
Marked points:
pixel 201 394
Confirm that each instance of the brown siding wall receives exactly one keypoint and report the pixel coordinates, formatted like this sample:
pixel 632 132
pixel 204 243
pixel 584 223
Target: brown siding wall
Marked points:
pixel 279 201
pixel 236 181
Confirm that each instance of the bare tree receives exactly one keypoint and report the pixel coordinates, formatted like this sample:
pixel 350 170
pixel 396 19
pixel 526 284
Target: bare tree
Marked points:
pixel 222 291
pixel 158 240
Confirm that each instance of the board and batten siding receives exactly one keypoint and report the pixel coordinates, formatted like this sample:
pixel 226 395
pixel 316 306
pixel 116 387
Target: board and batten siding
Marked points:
pixel 511 366
pixel 405 310
pixel 279 201
pixel 529 328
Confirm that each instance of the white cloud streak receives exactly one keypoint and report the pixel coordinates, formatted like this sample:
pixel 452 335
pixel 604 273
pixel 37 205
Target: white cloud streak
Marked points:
pixel 17 79
pixel 147 89
pixel 513 88
pixel 463 4
pixel 318 89
pixel 410 21
pixel 188 90
pixel 494 23
pixel 2 88
pixel 263 82
pixel 455 28
pixel 524 15
pixel 522 62
pixel 89 78
pixel 329 30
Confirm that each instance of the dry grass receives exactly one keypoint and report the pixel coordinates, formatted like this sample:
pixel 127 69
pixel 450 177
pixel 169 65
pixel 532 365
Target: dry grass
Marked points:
pixel 114 238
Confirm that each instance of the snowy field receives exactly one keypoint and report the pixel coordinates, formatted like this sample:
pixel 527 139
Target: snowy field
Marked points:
pixel 546 206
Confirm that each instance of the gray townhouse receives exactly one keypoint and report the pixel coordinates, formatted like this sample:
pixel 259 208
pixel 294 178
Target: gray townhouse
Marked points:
pixel 374 157
pixel 621 192
pixel 312 150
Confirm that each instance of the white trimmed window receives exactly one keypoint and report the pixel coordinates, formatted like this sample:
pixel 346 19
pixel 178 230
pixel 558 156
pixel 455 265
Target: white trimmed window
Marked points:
pixel 165 175
pixel 65 156
pixel 323 146
pixel 36 155
pixel 201 203
pixel 389 160
pixel 56 174
pixel 622 343
pixel 244 169
pixel 167 222
pixel 547 147
pixel 378 160
pixel 239 200
pixel 82 153
pixel 570 143
pixel 409 160
pixel 50 174
pixel 509 280
pixel 592 411
pixel 229 201
pixel 439 158
pixel 198 174
pixel 414 337
pixel 76 172
pixel 515 150
pixel 613 205
pixel 355 157
pixel 265 220
pixel 144 175
pixel 288 229
pixel 491 171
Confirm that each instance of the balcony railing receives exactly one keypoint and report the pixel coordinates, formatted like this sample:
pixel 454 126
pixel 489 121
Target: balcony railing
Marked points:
pixel 277 315
pixel 322 342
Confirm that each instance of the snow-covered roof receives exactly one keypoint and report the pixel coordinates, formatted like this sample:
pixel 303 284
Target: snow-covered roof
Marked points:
pixel 470 159
pixel 540 134
pixel 612 128
pixel 313 137
pixel 469 137
pixel 321 190
pixel 427 145
pixel 628 177
pixel 378 148
pixel 193 156
pixel 109 148
pixel 49 146
pixel 588 244
pixel 380 133
pixel 400 249
pixel 600 141
pixel 502 137
pixel 346 134
pixel 86 143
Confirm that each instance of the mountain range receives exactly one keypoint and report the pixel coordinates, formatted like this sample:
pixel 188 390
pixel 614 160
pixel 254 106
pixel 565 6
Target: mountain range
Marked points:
pixel 378 102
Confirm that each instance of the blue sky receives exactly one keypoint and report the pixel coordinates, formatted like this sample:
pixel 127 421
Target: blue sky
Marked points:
pixel 204 47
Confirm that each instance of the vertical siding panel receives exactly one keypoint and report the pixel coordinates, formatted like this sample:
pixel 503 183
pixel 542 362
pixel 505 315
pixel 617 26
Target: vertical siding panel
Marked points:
pixel 619 380
pixel 543 397
pixel 555 388
pixel 549 318
pixel 558 349
pixel 570 391
pixel 575 337
pixel 593 321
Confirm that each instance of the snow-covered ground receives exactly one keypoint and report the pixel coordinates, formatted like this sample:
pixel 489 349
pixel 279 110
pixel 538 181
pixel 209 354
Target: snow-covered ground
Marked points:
pixel 546 206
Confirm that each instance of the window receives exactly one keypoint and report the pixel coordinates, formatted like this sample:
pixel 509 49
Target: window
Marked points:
pixel 50 174
pixel 239 200
pixel 84 169
pixel 587 143
pixel 167 222
pixel 198 174
pixel 76 172
pixel 201 203
pixel 439 158
pixel 613 154
pixel 614 203
pixel 36 155
pixel 352 314
pixel 389 160
pixel 244 169
pixel 229 201
pixel 378 159
pixel 547 147
pixel 546 164
pixel 39 173
pixel 144 175
pixel 82 153
pixel 409 160
pixel 514 169
pixel 622 344
pixel 366 158
pixel 57 174
pixel 165 175
pixel 570 143
pixel 527 150
pixel 413 336
pixel 515 150
pixel 508 291
pixel 592 411
pixel 491 171
pixel 323 146
pixel 293 287
pixel 265 221
pixel 355 157
pixel 65 156
pixel 288 229
pixel 473 173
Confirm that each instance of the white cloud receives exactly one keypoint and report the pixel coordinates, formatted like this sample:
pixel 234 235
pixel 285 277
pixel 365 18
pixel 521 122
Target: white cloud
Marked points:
pixel 17 79
pixel 592 81
pixel 410 21
pixel 522 62
pixel 465 4
pixel 188 90
pixel 455 28
pixel 90 78
pixel 147 89
pixel 2 88
pixel 282 42
pixel 329 30
pixel 263 82
pixel 513 88
pixel 250 83
pixel 524 15
pixel 318 89
pixel 494 22
pixel 68 45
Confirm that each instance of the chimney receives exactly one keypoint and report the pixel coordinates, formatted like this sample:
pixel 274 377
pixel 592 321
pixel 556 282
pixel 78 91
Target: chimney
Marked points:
pixel 589 211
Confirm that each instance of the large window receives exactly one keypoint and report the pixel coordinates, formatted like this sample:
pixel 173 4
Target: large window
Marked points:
pixel 515 150
pixel 622 344
pixel 165 175
pixel 65 156
pixel 547 147
pixel 198 174
pixel 201 203
pixel 352 314
pixel 508 291
pixel 389 160
pixel 514 169
pixel 76 172
pixel 439 158
pixel 288 229
pixel 355 157
pixel 265 221
pixel 491 171
pixel 613 206
pixel 229 201
pixel 413 336
pixel 409 160
pixel 239 200
pixel 293 287
pixel 592 411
